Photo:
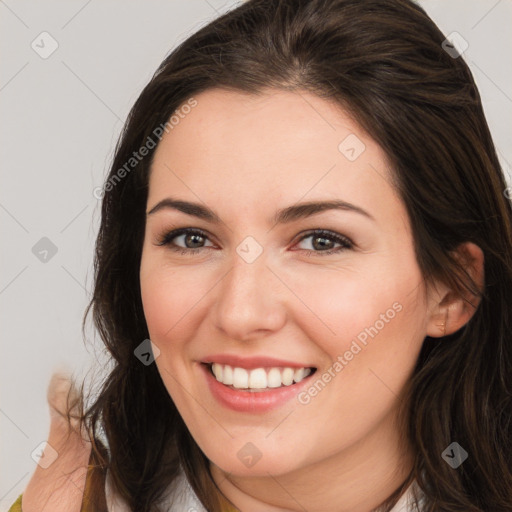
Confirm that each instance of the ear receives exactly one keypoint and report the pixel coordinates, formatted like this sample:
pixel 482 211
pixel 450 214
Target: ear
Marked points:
pixel 448 310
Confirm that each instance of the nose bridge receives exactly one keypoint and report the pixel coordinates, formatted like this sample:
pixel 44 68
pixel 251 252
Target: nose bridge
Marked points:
pixel 247 300
pixel 247 274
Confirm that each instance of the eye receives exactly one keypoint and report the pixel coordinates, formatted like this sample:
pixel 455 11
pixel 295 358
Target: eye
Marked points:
pixel 323 242
pixel 191 238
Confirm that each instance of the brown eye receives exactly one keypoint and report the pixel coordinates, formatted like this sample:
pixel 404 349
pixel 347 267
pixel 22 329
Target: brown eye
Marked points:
pixel 323 242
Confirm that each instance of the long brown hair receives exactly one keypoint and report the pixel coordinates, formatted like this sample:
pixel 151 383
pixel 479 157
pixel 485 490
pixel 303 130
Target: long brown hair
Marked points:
pixel 384 62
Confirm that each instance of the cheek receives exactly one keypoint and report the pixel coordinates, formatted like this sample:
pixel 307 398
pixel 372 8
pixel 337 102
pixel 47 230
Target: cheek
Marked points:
pixel 169 297
pixel 379 333
pixel 158 302
pixel 339 305
pixel 168 300
pixel 371 327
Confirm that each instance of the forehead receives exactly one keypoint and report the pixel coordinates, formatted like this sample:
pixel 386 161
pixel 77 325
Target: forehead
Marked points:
pixel 280 146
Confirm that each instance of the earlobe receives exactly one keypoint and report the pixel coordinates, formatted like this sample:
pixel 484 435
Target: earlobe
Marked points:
pixel 439 325
pixel 454 310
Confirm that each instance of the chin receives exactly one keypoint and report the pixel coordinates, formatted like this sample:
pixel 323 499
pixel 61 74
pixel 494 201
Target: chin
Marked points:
pixel 249 461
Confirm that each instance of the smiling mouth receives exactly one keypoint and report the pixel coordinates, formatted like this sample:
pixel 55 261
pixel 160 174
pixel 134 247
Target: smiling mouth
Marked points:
pixel 258 379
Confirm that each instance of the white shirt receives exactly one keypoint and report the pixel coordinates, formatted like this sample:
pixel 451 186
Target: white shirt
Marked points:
pixel 184 499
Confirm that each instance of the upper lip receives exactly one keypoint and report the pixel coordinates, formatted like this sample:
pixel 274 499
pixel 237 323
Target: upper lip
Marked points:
pixel 252 362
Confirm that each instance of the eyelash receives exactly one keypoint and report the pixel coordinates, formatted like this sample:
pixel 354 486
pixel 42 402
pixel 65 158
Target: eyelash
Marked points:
pixel 167 237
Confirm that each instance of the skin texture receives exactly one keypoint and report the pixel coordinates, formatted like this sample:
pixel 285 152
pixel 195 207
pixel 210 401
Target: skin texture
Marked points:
pixel 245 157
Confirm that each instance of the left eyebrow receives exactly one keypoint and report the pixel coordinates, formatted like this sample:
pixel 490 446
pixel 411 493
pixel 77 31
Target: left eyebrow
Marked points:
pixel 302 210
pixel 283 216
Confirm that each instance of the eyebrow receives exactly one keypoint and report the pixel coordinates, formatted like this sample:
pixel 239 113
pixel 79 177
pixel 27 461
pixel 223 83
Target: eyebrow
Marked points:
pixel 283 216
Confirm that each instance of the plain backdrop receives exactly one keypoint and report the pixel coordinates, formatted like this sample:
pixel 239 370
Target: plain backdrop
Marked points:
pixel 61 116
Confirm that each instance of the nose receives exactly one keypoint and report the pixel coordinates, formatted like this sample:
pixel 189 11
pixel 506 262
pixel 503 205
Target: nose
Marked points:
pixel 249 302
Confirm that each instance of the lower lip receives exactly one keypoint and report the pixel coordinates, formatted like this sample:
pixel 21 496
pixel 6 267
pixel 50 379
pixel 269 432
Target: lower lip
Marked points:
pixel 252 401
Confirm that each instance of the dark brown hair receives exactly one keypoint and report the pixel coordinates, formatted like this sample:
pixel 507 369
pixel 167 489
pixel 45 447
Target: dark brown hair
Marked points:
pixel 383 61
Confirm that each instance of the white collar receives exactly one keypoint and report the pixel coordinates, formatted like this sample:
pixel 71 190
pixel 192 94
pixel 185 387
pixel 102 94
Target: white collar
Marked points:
pixel 406 501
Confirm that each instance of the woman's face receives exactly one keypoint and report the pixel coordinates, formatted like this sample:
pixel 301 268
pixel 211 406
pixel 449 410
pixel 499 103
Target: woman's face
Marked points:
pixel 254 290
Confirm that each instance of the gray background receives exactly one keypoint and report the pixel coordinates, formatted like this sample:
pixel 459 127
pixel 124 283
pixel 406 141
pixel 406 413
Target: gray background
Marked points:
pixel 61 116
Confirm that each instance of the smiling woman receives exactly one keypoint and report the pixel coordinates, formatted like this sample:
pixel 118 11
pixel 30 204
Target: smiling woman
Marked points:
pixel 327 222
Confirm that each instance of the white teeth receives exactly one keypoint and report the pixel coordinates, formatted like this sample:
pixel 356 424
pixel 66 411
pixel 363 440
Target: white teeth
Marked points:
pixel 217 371
pixel 240 378
pixel 227 377
pixel 299 374
pixel 288 376
pixel 274 378
pixel 258 378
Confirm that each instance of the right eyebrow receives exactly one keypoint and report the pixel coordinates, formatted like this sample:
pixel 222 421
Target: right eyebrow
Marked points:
pixel 195 209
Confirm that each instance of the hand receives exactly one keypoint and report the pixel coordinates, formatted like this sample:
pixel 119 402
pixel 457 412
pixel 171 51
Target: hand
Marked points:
pixel 60 487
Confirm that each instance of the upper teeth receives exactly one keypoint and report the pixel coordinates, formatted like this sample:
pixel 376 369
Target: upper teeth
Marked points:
pixel 258 378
